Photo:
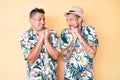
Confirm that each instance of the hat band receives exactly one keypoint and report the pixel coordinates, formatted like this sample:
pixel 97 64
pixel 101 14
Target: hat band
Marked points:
pixel 71 11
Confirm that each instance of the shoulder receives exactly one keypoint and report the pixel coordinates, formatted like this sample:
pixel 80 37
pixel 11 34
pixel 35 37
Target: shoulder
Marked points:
pixel 88 29
pixel 66 30
pixel 25 34
pixel 53 32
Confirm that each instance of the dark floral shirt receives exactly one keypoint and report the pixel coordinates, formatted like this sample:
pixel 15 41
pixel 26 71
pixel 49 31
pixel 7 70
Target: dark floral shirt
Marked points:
pixel 79 67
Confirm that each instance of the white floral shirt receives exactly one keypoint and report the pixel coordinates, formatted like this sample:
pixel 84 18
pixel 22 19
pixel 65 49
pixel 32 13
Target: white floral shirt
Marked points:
pixel 44 68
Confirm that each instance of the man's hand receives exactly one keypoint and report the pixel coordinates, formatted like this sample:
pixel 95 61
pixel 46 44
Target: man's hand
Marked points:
pixel 76 31
pixel 41 34
pixel 72 31
pixel 47 34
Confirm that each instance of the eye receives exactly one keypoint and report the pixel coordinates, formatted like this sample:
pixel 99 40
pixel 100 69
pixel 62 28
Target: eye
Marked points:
pixel 39 19
pixel 43 19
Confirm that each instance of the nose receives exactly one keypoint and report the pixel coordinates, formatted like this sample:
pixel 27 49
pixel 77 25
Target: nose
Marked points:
pixel 42 21
pixel 69 23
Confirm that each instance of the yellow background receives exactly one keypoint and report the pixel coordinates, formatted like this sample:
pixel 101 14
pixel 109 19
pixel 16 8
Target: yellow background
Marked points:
pixel 104 15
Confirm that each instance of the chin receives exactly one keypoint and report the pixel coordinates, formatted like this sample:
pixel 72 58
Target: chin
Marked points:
pixel 72 27
pixel 41 28
pixel 76 27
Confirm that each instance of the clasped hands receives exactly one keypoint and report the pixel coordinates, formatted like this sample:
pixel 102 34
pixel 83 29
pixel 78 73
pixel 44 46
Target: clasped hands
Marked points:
pixel 75 32
pixel 44 35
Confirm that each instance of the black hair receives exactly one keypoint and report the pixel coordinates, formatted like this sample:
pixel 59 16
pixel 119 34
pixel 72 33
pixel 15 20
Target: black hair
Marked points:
pixel 36 10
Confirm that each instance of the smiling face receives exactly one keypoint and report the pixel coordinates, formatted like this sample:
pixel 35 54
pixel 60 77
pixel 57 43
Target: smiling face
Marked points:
pixel 73 20
pixel 37 21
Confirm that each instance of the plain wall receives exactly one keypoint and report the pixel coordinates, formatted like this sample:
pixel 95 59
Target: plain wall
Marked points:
pixel 104 15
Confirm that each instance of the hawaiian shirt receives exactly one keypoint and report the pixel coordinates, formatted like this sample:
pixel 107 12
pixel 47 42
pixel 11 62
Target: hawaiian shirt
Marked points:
pixel 44 68
pixel 79 67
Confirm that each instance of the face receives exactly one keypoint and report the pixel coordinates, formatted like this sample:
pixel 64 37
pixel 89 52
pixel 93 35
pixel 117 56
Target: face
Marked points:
pixel 73 20
pixel 38 21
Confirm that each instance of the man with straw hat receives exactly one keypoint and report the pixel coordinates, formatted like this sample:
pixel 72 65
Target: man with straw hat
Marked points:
pixel 78 46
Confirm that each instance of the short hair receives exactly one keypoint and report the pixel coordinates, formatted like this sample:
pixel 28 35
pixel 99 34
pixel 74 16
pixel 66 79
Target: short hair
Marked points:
pixel 36 10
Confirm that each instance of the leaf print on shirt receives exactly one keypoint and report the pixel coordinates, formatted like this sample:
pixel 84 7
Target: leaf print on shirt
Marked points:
pixel 79 67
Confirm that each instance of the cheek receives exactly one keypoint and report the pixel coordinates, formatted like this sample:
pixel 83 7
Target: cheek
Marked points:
pixel 71 22
pixel 74 23
pixel 37 23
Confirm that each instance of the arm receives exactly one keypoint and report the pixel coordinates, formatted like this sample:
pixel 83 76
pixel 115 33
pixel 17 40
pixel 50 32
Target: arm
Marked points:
pixel 51 50
pixel 67 52
pixel 35 52
pixel 54 53
pixel 90 50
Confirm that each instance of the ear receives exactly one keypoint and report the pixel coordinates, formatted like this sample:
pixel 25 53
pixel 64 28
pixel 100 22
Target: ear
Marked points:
pixel 80 20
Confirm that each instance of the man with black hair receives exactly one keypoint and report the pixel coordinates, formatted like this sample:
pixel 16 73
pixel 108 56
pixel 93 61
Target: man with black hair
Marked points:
pixel 40 48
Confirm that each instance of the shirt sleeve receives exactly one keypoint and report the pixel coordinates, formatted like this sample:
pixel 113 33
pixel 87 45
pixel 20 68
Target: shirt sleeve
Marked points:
pixel 91 36
pixel 54 40
pixel 25 45
pixel 63 40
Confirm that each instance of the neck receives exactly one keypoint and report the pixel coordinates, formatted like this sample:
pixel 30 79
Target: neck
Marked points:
pixel 36 31
pixel 80 25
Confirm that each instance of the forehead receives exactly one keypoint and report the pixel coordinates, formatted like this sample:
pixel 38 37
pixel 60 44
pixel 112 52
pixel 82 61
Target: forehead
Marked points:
pixel 71 16
pixel 38 15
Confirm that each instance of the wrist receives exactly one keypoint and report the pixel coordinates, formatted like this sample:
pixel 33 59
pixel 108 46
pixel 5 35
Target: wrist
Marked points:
pixel 46 41
pixel 41 40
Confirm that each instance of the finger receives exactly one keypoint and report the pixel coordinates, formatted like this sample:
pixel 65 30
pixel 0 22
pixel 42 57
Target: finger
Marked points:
pixel 47 31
